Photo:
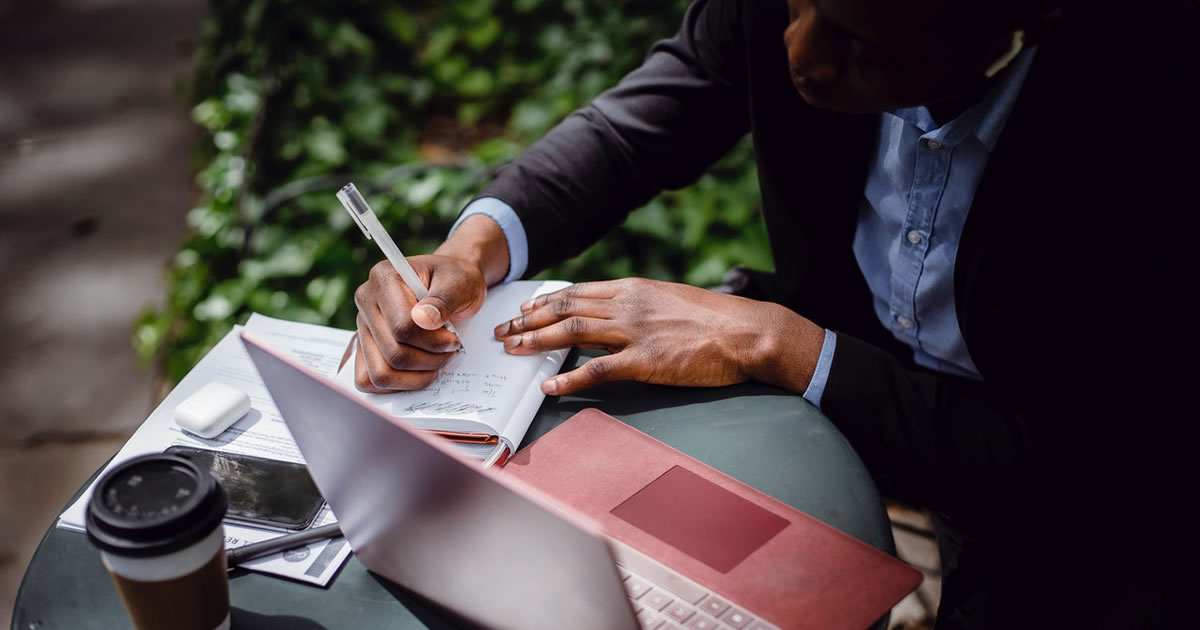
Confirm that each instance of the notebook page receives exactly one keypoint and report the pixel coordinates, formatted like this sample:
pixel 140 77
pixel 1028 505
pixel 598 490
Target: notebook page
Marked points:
pixel 482 389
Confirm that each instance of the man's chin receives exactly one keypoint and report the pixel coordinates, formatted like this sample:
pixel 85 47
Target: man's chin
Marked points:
pixel 817 97
pixel 832 102
pixel 823 96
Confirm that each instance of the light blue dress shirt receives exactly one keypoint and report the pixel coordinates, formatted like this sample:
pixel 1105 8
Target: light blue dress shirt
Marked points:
pixel 919 190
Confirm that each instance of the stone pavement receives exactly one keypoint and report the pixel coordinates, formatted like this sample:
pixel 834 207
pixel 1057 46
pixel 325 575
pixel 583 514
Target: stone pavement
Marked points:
pixel 94 185
pixel 915 544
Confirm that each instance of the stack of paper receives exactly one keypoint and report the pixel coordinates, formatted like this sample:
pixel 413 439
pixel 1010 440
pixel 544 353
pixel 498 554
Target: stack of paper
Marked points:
pixel 261 432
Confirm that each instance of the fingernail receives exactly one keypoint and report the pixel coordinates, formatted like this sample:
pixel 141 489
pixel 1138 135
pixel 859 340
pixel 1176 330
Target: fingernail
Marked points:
pixel 526 305
pixel 550 386
pixel 503 329
pixel 513 342
pixel 432 312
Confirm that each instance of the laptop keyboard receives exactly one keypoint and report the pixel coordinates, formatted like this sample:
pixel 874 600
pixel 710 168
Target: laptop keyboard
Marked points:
pixel 663 599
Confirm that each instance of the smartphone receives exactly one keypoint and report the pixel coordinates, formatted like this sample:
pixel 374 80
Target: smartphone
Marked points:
pixel 262 492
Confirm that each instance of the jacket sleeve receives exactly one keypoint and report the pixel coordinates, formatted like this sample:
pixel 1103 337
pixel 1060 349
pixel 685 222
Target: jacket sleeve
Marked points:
pixel 942 435
pixel 660 128
pixel 1036 462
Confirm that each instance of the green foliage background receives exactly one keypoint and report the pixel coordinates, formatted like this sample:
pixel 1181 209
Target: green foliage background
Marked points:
pixel 417 103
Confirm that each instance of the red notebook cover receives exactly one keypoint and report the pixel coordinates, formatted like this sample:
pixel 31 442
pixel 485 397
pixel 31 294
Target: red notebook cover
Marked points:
pixel 772 559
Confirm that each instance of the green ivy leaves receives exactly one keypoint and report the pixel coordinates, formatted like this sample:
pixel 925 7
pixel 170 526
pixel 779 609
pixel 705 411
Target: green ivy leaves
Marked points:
pixel 295 99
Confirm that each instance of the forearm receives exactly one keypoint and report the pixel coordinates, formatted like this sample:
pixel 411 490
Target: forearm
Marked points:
pixel 479 241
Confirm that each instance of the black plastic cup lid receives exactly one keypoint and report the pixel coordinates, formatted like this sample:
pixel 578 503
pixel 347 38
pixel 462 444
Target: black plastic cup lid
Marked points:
pixel 154 505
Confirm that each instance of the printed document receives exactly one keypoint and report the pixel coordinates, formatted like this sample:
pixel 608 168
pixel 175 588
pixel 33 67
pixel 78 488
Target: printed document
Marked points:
pixel 260 432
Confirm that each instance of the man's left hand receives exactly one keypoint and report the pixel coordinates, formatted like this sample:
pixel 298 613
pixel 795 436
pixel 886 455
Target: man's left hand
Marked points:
pixel 666 333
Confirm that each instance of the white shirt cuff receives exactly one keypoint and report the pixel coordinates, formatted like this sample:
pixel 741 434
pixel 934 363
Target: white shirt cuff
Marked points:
pixel 510 224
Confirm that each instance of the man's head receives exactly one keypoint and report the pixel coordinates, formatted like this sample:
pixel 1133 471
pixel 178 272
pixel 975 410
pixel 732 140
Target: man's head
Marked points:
pixel 877 55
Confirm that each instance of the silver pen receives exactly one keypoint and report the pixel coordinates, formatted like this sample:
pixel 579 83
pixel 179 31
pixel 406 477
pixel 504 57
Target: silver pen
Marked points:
pixel 238 555
pixel 354 203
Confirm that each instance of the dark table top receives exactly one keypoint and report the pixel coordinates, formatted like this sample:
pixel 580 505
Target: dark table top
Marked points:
pixel 765 437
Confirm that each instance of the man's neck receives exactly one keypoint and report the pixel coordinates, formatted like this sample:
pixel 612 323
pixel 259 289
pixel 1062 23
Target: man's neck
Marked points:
pixel 946 111
pixel 953 107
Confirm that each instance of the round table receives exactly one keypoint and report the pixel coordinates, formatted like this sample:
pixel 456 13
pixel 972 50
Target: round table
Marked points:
pixel 767 438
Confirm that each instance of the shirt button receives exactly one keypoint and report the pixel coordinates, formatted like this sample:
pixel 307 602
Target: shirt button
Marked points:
pixel 904 322
pixel 933 144
pixel 914 237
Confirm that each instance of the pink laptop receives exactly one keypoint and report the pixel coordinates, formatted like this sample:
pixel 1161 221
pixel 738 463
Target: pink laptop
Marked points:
pixel 625 533
pixel 750 555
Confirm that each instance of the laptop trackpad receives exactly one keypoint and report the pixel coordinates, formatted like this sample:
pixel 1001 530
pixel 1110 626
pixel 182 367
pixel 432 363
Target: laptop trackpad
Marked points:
pixel 700 518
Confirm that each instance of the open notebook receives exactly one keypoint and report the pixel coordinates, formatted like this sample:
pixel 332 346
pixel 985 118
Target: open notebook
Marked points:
pixel 484 397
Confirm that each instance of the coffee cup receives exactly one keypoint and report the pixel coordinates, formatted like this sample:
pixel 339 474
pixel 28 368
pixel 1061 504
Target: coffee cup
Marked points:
pixel 157 522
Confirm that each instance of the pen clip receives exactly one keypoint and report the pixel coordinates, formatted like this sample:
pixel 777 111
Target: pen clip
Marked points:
pixel 360 225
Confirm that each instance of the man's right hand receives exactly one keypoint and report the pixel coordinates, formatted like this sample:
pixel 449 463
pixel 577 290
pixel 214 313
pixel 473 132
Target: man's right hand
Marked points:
pixel 402 343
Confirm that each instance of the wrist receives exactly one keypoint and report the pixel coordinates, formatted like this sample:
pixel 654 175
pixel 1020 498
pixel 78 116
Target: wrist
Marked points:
pixel 788 350
pixel 480 242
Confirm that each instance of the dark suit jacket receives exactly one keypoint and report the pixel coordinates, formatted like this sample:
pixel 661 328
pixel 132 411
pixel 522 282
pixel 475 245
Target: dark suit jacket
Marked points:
pixel 1065 280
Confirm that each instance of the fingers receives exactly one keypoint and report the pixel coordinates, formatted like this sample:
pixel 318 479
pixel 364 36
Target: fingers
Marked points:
pixel 385 302
pixel 362 376
pixel 573 331
pixel 373 374
pixel 557 310
pixel 398 356
pixel 452 291
pixel 612 367
pixel 428 313
pixel 585 290
pixel 580 315
pixel 402 343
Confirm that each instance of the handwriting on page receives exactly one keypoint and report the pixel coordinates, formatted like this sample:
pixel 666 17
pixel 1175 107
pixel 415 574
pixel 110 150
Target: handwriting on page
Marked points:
pixel 430 406
pixel 460 392
pixel 483 389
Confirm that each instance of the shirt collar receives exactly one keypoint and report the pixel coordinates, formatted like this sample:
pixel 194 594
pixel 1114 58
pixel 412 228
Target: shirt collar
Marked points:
pixel 985 119
pixel 1003 96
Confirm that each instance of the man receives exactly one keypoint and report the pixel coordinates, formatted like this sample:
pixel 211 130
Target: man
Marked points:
pixel 977 212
